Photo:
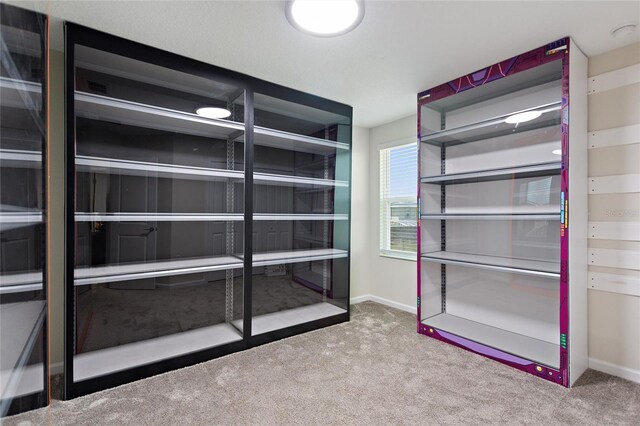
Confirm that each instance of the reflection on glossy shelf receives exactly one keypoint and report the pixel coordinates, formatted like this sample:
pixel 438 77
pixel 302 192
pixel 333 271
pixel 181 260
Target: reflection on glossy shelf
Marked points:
pixel 199 217
pixel 20 324
pixel 20 93
pixel 141 168
pixel 280 257
pixel 105 108
pixel 134 271
pixel 18 219
pixel 495 127
pixel 548 209
pixel 533 170
pixel 507 264
pixel 123 357
pixel 516 344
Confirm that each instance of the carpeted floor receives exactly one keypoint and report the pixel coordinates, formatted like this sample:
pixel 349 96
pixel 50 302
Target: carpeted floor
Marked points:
pixel 373 370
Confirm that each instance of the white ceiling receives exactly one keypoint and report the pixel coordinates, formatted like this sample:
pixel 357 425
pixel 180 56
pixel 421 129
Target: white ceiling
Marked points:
pixel 400 48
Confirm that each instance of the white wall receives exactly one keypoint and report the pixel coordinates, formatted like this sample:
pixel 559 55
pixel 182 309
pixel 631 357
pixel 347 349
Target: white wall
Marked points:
pixel 360 217
pixel 614 319
pixel 393 281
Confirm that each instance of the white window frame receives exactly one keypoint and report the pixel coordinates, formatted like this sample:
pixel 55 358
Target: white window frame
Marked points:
pixel 385 252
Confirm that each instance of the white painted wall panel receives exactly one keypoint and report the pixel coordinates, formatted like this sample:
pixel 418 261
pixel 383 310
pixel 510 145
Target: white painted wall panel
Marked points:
pixel 626 231
pixel 615 283
pixel 616 136
pixel 624 259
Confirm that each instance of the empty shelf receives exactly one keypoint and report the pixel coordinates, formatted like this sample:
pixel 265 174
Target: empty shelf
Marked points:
pixel 280 257
pixel 495 127
pixel 20 324
pixel 141 168
pixel 533 170
pixel 275 216
pixel 291 141
pixel 278 320
pixel 25 381
pixel 20 93
pixel 104 108
pixel 198 217
pixel 18 283
pixel 157 217
pixel 119 358
pixel 18 219
pixel 134 271
pixel 516 344
pixel 489 216
pixel 506 264
pixel 549 209
pixel 299 181
pixel 21 159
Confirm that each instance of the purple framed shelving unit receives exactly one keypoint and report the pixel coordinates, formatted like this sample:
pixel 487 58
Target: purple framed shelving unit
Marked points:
pixel 499 272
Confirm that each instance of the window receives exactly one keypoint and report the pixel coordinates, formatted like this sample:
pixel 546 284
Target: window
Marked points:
pixel 398 202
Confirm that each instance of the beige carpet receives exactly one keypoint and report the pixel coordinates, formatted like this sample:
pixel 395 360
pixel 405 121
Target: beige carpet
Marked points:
pixel 374 370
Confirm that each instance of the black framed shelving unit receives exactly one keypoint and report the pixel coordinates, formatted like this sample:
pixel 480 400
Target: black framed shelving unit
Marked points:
pixel 23 144
pixel 190 237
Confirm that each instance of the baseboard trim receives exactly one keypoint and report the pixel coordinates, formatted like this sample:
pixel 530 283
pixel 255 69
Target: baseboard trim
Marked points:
pixel 371 298
pixel 615 370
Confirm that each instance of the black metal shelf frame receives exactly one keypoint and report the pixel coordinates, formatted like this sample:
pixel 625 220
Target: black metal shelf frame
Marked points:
pixel 252 135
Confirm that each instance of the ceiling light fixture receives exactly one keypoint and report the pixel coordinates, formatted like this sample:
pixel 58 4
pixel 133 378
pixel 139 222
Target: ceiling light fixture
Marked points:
pixel 523 117
pixel 557 152
pixel 624 30
pixel 325 18
pixel 213 112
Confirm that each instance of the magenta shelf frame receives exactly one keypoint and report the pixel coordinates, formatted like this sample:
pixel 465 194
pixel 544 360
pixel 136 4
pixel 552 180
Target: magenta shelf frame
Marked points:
pixel 556 51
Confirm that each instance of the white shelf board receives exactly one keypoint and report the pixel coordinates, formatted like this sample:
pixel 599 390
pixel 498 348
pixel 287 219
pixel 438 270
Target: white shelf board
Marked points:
pixel 161 170
pixel 617 184
pixel 616 136
pixel 533 170
pixel 19 219
pixel 494 127
pixel 23 159
pixel 613 79
pixel 199 217
pixel 18 283
pixel 298 181
pixel 133 271
pixel 105 361
pixel 489 216
pixel 612 258
pixel 506 264
pixel 20 93
pixel 503 210
pixel 275 216
pixel 622 231
pixel 278 320
pixel 104 108
pixel 293 142
pixel 25 381
pixel 280 257
pixel 157 217
pixel 19 325
pixel 615 283
pixel 516 344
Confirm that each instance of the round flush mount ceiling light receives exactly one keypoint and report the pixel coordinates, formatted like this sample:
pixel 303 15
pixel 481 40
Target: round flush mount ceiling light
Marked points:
pixel 213 112
pixel 523 117
pixel 325 18
pixel 624 30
